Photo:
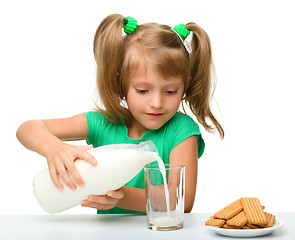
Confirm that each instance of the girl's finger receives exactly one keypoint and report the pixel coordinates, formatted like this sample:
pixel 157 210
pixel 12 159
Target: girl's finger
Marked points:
pixel 54 177
pixel 105 200
pixel 85 148
pixel 62 172
pixel 96 205
pixel 87 157
pixel 118 194
pixel 75 174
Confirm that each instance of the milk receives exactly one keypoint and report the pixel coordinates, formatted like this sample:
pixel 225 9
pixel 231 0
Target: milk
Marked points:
pixel 167 221
pixel 163 172
pixel 117 165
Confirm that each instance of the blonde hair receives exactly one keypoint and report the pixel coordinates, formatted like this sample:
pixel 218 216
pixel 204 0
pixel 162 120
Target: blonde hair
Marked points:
pixel 118 56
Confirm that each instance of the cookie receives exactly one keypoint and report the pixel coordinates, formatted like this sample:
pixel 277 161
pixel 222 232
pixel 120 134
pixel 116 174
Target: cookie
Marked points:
pixel 246 227
pixel 215 222
pixel 230 227
pixel 239 220
pixel 253 211
pixel 253 226
pixel 230 210
pixel 270 220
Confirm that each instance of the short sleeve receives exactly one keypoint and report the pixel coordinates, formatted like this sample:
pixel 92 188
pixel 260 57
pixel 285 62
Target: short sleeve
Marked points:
pixel 95 122
pixel 183 126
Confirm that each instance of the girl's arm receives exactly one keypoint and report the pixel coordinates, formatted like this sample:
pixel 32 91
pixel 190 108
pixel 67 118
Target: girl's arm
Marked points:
pixel 46 138
pixel 185 153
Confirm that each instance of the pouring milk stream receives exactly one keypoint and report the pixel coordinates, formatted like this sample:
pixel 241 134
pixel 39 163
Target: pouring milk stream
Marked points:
pixel 117 165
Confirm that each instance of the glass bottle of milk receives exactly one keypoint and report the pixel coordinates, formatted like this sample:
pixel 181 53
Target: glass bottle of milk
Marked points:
pixel 116 165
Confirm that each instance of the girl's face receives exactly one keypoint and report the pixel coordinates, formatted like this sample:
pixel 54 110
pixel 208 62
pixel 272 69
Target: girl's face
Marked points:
pixel 151 99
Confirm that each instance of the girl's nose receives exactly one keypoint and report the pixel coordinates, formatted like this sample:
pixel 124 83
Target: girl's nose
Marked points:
pixel 156 101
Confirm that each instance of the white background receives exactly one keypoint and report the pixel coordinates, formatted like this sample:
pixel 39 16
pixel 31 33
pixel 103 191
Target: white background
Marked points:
pixel 47 70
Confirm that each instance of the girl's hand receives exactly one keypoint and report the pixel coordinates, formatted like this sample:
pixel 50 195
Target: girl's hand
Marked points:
pixel 104 202
pixel 61 158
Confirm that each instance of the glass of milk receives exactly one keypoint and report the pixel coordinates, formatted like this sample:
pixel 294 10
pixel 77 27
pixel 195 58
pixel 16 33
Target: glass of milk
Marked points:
pixel 164 184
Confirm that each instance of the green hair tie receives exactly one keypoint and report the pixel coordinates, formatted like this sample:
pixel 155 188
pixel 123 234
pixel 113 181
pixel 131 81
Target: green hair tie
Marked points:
pixel 130 24
pixel 181 30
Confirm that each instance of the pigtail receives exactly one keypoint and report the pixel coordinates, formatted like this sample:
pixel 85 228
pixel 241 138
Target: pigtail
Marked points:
pixel 198 93
pixel 108 50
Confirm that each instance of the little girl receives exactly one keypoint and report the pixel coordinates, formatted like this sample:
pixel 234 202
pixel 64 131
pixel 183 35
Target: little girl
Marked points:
pixel 142 77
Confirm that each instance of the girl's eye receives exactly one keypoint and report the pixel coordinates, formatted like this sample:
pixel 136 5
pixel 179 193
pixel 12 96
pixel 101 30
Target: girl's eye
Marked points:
pixel 141 91
pixel 170 92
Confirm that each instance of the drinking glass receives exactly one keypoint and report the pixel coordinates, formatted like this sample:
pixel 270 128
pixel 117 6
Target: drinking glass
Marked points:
pixel 164 184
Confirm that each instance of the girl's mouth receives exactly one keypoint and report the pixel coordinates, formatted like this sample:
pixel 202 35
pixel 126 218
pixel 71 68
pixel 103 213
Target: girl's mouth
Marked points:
pixel 154 114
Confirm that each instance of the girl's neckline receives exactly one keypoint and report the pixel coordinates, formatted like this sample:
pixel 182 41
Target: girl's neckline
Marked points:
pixel 144 135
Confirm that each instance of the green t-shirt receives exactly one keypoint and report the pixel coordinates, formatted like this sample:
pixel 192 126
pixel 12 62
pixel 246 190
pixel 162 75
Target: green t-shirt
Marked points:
pixel 103 132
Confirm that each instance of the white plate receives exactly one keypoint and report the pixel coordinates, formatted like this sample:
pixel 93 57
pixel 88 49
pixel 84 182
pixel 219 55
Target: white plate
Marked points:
pixel 247 232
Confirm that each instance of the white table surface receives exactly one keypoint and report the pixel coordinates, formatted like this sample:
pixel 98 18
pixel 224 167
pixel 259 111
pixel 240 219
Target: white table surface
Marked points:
pixel 107 227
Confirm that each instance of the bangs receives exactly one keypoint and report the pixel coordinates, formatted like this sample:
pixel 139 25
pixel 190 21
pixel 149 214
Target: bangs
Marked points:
pixel 168 61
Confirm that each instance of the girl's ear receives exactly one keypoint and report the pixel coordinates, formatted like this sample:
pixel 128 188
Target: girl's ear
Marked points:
pixel 188 84
pixel 189 80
